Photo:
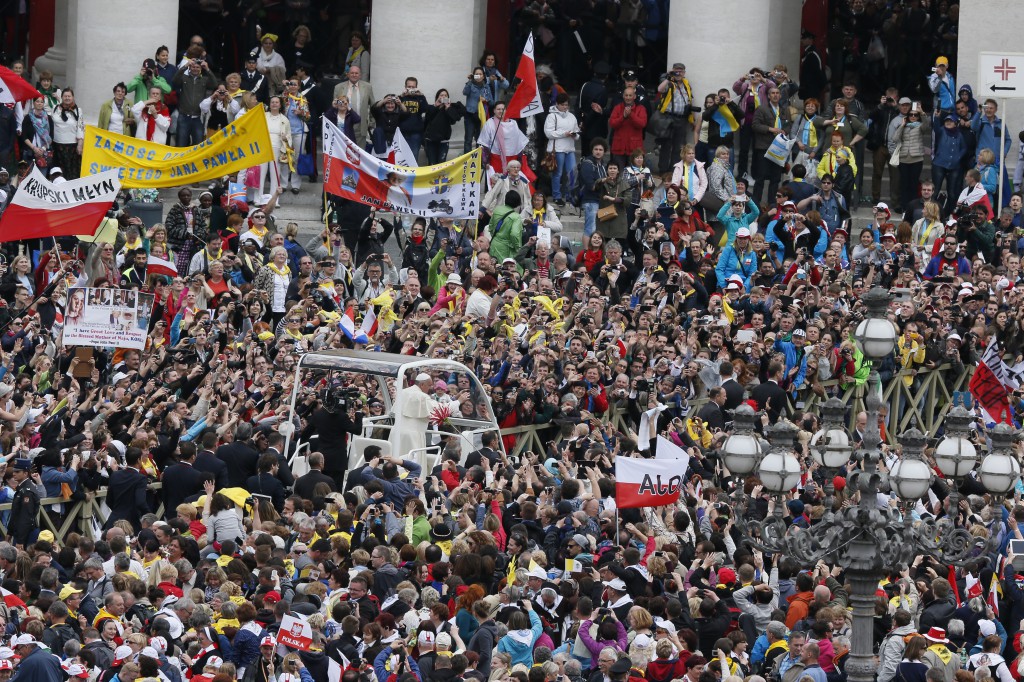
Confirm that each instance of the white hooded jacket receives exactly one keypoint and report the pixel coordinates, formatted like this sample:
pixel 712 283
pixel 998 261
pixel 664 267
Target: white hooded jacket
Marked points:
pixel 558 128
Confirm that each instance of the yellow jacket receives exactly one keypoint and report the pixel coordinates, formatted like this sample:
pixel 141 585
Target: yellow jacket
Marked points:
pixel 830 161
pixel 910 355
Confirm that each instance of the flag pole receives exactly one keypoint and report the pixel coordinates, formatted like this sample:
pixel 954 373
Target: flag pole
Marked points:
pixel 56 250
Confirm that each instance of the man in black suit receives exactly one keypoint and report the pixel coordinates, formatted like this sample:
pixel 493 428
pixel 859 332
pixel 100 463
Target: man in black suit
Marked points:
pixel 266 481
pixel 240 457
pixel 181 481
pixel 711 413
pixel 275 446
pixel 126 495
pixel 304 484
pixel 733 391
pixel 770 395
pixel 488 451
pixel 254 81
pixel 208 463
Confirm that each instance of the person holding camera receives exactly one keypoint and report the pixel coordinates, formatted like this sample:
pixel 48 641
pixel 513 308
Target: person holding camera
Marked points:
pixel 677 106
pixel 148 77
pixel 219 109
pixel 561 129
pixel 388 114
pixel 193 81
pixel 153 116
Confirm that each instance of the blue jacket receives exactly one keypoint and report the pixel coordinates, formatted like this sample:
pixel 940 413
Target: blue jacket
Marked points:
pixel 990 180
pixel 515 644
pixel 793 359
pixel 473 93
pixel 934 268
pixel 246 647
pixel 949 149
pixel 732 224
pixel 53 477
pixel 379 665
pixel 396 490
pixel 988 134
pixel 730 262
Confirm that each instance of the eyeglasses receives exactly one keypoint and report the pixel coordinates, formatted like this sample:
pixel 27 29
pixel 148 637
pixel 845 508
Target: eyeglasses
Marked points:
pixel 294 320
pixel 259 216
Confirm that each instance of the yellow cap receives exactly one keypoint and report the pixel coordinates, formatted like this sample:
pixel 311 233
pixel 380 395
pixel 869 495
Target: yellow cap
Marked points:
pixel 944 61
pixel 46 535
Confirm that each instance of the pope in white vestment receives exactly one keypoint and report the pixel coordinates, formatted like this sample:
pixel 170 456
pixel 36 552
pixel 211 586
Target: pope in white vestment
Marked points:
pixel 412 409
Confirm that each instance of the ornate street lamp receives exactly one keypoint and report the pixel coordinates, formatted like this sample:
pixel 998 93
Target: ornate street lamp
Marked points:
pixel 871 537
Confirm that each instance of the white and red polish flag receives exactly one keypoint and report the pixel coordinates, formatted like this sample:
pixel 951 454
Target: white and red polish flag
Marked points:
pixel 155 265
pixel 76 207
pixel 526 100
pixel 647 482
pixel 14 88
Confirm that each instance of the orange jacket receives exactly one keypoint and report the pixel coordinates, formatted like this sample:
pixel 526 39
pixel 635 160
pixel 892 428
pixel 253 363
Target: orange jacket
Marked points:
pixel 798 607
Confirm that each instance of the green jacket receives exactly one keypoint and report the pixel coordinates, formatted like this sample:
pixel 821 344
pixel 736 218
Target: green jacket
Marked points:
pixel 435 278
pixel 126 111
pixel 507 239
pixel 138 89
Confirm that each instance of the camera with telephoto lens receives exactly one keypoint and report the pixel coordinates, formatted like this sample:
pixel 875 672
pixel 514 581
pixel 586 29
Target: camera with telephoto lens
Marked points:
pixel 338 397
pixel 963 214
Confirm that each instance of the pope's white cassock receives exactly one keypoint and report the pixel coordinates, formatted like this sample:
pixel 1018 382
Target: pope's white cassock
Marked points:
pixel 412 419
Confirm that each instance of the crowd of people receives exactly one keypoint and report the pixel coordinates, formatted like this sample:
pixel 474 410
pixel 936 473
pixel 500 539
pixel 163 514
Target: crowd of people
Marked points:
pixel 720 265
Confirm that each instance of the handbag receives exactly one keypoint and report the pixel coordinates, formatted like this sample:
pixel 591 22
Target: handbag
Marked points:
pixel 894 159
pixel 304 165
pixel 660 125
pixel 550 163
pixel 252 176
pixel 778 151
pixel 607 213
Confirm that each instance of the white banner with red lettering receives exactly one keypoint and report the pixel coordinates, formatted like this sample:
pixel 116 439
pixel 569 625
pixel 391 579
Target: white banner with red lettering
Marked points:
pixel 296 633
pixel 647 482
pixel 42 209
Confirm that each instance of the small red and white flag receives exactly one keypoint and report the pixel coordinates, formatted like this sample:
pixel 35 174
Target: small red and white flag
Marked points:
pixel 991 384
pixel 400 153
pixel 526 100
pixel 973 586
pixel 75 207
pixel 647 482
pixel 296 633
pixel 369 325
pixel 11 600
pixel 161 266
pixel 14 88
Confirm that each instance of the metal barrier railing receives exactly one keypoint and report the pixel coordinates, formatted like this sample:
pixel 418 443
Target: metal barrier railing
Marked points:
pixel 923 405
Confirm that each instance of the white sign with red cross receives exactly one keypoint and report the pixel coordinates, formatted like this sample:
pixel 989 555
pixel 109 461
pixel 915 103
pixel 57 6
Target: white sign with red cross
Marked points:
pixel 1000 75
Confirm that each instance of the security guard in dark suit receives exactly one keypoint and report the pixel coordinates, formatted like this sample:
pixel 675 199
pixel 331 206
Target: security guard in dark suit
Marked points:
pixel 24 528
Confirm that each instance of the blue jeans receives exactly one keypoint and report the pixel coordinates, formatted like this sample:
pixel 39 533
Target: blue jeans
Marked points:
pixel 190 131
pixel 565 163
pixel 415 141
pixel 589 218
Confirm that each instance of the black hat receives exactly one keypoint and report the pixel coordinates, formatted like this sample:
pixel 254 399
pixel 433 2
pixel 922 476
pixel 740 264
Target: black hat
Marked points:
pixel 602 68
pixel 22 464
pixel 630 75
pixel 441 531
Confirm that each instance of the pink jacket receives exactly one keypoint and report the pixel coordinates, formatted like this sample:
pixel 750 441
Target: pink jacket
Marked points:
pixel 742 88
pixel 701 179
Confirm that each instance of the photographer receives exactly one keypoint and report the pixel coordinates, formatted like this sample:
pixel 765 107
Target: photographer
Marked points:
pixel 415 105
pixel 977 231
pixel 373 234
pixel 677 106
pixel 388 114
pixel 193 82
pixel 141 85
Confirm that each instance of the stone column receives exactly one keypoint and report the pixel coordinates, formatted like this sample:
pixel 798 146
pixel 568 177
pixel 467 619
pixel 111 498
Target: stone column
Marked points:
pixel 763 32
pixel 56 58
pixel 449 42
pixel 107 43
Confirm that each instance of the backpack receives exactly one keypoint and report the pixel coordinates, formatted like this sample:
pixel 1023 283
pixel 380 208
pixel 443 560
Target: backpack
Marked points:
pixel 576 191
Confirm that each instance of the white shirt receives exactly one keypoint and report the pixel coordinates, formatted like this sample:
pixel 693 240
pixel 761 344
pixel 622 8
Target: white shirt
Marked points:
pixel 116 124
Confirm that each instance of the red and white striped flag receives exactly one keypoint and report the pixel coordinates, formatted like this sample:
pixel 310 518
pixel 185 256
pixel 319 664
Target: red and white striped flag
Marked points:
pixel 991 384
pixel 647 482
pixel 526 101
pixel 11 600
pixel 41 209
pixel 161 266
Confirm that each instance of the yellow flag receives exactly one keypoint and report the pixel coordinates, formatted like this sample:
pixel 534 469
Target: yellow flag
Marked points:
pixel 511 577
pixel 481 111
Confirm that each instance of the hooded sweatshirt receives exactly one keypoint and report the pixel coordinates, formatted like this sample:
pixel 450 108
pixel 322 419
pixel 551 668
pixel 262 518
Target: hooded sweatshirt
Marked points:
pixel 519 643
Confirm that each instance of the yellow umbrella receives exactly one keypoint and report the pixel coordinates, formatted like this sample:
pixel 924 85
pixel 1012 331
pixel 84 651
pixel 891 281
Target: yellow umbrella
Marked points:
pixel 106 233
pixel 236 495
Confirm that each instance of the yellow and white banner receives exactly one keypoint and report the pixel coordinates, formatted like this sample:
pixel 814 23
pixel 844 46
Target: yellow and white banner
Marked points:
pixel 242 144
pixel 447 190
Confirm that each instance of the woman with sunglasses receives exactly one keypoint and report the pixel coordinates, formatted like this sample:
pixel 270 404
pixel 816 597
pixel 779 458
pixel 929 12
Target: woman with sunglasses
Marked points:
pixel 914 139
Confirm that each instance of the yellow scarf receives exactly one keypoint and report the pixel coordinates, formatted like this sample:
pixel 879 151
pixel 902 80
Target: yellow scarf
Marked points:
pixel 131 246
pixel 283 273
pixel 812 132
pixel 259 232
pixel 940 650
pixel 295 335
pixel 538 214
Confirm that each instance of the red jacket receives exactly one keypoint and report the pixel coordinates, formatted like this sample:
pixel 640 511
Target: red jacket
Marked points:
pixel 629 131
